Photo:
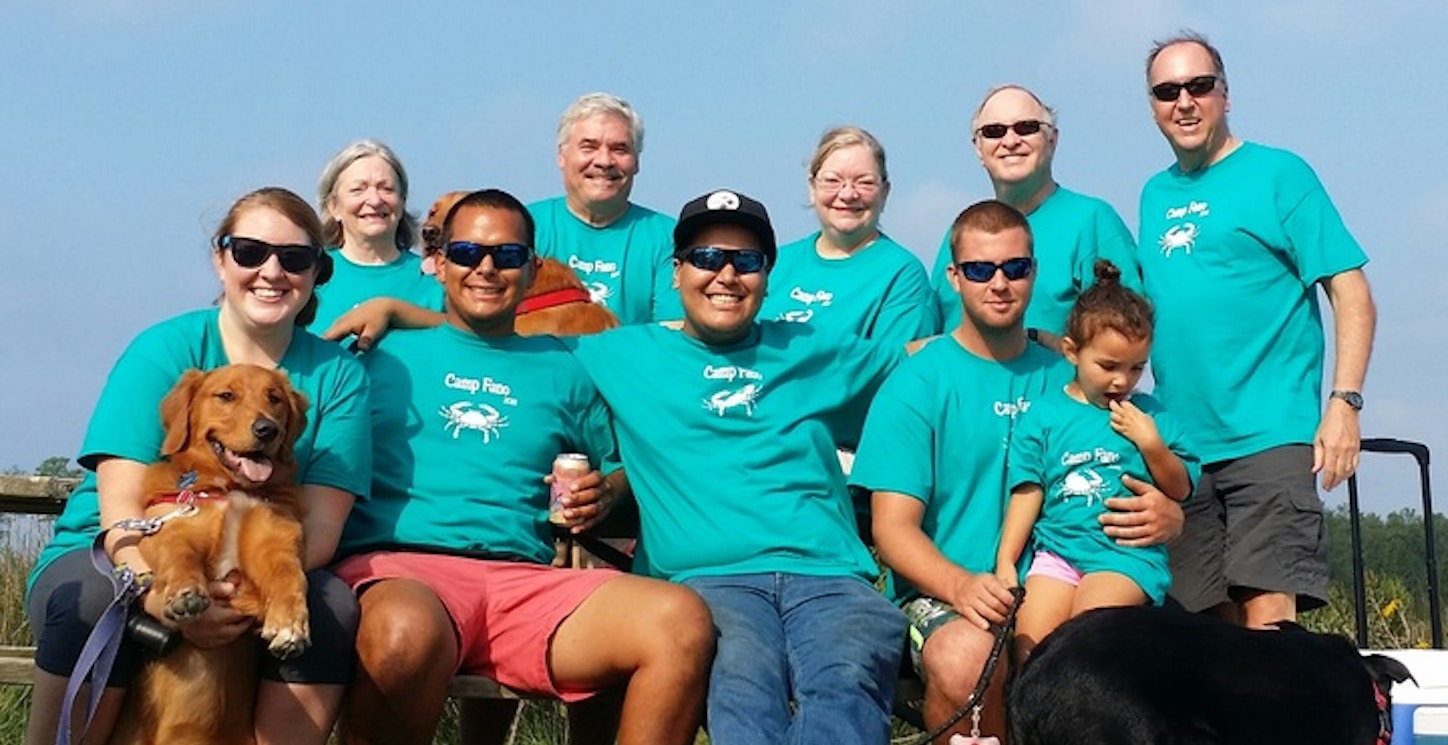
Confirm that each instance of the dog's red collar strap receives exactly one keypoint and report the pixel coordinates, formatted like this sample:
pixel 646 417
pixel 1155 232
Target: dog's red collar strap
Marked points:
pixel 556 297
pixel 183 497
pixel 1385 715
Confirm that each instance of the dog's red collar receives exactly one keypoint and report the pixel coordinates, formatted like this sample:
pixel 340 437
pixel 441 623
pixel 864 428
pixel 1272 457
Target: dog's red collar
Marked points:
pixel 1385 715
pixel 556 297
pixel 183 497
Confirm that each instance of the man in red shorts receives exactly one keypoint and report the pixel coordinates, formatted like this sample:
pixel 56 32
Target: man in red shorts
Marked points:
pixel 450 555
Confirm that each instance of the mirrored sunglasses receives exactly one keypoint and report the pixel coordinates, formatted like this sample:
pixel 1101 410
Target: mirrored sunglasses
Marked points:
pixel 1196 87
pixel 713 258
pixel 984 271
pixel 251 253
pixel 1024 128
pixel 505 256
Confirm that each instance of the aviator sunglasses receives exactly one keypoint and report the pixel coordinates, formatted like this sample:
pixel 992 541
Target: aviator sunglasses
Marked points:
pixel 713 259
pixel 984 271
pixel 505 256
pixel 251 253
pixel 1196 87
pixel 1024 128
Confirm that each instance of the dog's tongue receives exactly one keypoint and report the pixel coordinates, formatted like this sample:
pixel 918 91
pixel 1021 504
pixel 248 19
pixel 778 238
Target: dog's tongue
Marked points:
pixel 255 470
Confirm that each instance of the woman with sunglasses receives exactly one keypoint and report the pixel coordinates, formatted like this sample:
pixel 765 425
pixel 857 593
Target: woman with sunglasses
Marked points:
pixel 362 196
pixel 268 255
pixel 848 276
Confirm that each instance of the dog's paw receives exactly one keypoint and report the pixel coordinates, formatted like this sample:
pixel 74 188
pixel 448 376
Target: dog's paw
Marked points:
pixel 187 605
pixel 289 641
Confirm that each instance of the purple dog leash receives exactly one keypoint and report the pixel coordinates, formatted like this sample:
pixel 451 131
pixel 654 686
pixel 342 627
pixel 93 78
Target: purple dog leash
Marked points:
pixel 99 653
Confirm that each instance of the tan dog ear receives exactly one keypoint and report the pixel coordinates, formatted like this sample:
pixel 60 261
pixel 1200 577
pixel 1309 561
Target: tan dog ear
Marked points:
pixel 296 420
pixel 176 412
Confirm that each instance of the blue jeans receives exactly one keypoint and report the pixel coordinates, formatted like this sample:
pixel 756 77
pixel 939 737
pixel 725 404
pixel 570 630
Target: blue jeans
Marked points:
pixel 830 646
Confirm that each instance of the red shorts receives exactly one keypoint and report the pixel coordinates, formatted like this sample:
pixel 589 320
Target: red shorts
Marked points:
pixel 504 612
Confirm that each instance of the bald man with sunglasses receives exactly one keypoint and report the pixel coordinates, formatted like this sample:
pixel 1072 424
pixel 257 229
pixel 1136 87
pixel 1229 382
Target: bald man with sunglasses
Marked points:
pixel 1015 136
pixel 1236 239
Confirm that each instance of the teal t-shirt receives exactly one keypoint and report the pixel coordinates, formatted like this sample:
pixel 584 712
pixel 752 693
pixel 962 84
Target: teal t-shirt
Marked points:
pixel 1071 231
pixel 354 283
pixel 334 450
pixel 731 450
pixel 1070 450
pixel 627 265
pixel 938 432
pixel 880 293
pixel 1231 256
pixel 465 429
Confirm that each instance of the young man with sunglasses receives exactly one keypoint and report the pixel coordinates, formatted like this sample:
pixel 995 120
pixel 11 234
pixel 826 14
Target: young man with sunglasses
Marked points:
pixel 1015 137
pixel 728 428
pixel 451 554
pixel 1236 239
pixel 934 456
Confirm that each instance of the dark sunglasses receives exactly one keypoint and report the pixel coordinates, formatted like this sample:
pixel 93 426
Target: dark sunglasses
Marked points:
pixel 984 271
pixel 1196 87
pixel 713 259
pixel 251 253
pixel 505 256
pixel 1024 128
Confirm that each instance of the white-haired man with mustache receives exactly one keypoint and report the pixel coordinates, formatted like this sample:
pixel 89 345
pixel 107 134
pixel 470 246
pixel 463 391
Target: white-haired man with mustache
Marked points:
pixel 622 251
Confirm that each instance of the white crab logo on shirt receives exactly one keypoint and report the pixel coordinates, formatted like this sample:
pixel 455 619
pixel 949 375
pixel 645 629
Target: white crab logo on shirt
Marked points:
pixel 1182 236
pixel 796 316
pixel 1084 483
pixel 599 293
pixel 727 399
pixel 466 415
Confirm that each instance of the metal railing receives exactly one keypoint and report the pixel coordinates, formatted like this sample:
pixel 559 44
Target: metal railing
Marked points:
pixel 1419 451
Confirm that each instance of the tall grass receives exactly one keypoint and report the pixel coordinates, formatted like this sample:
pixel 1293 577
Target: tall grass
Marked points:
pixel 22 543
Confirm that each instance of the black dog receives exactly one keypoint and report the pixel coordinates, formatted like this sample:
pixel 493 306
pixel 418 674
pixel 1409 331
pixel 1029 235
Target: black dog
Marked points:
pixel 1151 675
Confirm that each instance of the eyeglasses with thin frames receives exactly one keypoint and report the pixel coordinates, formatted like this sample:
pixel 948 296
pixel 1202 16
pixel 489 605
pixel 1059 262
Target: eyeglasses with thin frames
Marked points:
pixel 833 183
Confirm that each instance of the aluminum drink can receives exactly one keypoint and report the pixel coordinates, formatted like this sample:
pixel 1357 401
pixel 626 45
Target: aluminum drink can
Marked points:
pixel 567 469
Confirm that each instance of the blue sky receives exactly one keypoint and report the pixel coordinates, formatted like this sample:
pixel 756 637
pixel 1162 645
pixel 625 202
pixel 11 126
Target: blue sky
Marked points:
pixel 129 126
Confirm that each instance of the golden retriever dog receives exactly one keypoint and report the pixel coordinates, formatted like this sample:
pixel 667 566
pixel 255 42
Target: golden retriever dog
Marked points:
pixel 228 446
pixel 432 228
pixel 558 303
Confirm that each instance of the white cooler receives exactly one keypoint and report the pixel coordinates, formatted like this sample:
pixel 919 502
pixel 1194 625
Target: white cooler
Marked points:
pixel 1420 712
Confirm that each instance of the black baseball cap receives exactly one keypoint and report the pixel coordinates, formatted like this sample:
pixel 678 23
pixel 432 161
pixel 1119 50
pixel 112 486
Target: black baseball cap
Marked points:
pixel 723 206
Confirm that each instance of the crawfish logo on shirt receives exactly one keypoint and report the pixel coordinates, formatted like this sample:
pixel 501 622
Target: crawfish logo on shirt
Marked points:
pixel 469 415
pixel 808 299
pixel 1082 480
pixel 599 293
pixel 741 388
pixel 1183 235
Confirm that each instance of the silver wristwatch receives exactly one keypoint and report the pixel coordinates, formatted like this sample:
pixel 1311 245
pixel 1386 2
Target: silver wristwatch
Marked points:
pixel 1351 398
